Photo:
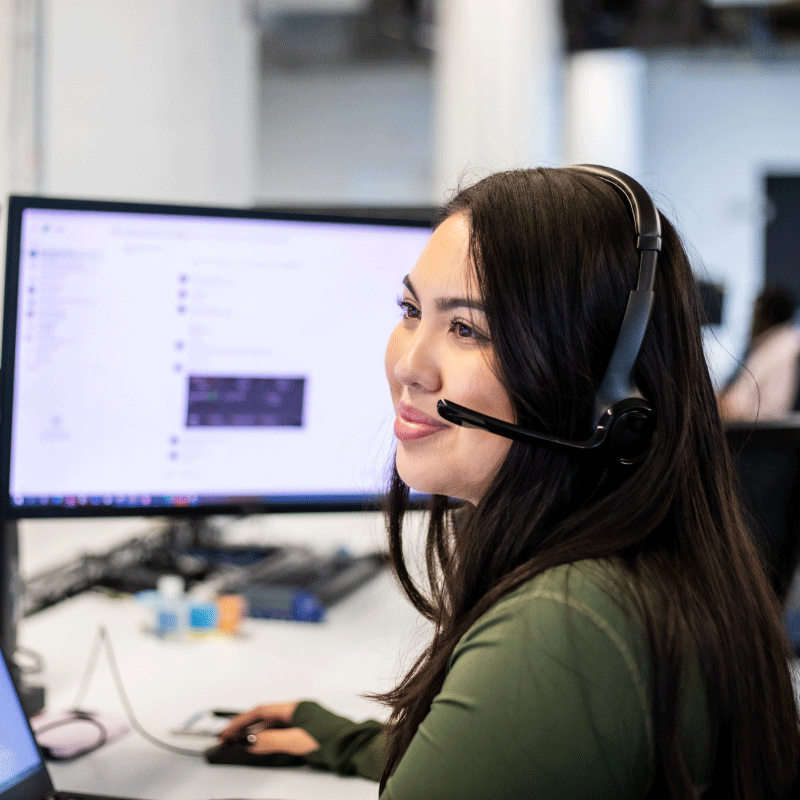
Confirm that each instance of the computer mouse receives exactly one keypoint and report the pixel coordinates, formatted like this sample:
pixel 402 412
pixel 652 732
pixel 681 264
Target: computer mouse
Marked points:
pixel 234 751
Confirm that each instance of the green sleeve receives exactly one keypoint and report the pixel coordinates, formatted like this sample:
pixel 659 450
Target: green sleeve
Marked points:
pixel 543 699
pixel 346 747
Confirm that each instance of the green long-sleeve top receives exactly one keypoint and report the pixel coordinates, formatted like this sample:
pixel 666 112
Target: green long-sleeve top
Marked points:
pixel 548 695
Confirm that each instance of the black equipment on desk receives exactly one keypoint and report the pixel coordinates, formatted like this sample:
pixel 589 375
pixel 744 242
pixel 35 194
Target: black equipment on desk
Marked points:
pixel 300 585
pixel 235 751
pixel 238 755
pixel 276 582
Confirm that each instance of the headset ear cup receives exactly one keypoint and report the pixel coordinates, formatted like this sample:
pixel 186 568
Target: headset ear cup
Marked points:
pixel 630 433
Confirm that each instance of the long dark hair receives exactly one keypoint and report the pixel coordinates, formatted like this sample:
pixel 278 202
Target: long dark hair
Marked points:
pixel 554 256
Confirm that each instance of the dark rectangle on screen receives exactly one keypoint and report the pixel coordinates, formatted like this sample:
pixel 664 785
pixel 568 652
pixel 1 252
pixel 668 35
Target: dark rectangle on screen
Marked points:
pixel 215 402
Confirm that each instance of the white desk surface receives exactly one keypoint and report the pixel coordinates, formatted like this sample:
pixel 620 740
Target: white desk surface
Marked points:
pixel 360 647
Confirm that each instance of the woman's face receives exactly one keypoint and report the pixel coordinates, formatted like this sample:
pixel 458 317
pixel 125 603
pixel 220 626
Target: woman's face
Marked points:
pixel 441 350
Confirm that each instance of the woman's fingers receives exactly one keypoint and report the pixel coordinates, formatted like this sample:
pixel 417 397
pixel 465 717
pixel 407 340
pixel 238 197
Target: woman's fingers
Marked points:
pixel 294 741
pixel 268 714
pixel 238 723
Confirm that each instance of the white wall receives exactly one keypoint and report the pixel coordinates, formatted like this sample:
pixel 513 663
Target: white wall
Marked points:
pixel 361 135
pixel 604 109
pixel 6 21
pixel 20 51
pixel 498 87
pixel 714 125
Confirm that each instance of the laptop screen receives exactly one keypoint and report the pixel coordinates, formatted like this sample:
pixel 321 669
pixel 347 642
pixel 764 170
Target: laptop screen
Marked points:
pixel 20 762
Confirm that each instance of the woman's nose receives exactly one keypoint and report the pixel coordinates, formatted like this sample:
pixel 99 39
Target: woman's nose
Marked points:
pixel 417 363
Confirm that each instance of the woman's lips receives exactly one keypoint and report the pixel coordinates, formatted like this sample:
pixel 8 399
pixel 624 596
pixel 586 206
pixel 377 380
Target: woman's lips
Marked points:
pixel 412 424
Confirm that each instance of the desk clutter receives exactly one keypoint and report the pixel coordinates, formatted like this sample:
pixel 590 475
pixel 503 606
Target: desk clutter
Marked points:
pixel 200 588
pixel 170 613
pixel 288 583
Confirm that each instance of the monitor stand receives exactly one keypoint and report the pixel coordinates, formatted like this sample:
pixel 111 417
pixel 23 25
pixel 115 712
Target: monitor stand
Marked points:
pixel 193 531
pixel 10 593
pixel 192 547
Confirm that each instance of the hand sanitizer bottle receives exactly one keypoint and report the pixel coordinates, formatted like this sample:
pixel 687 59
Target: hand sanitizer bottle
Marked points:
pixel 171 608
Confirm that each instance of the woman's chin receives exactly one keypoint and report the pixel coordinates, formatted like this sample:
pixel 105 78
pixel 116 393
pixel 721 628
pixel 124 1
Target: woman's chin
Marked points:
pixel 428 481
pixel 419 480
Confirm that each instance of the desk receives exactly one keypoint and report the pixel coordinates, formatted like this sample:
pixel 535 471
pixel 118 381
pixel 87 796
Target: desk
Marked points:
pixel 360 647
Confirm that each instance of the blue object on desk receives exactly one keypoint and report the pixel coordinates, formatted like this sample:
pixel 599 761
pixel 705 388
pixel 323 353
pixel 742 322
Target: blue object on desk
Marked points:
pixel 282 602
pixel 202 616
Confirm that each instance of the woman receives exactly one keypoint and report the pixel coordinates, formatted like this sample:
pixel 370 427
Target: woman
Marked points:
pixel 766 385
pixel 601 630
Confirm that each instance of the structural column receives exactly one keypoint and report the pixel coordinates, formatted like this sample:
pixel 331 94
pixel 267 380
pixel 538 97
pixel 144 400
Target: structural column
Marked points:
pixel 20 98
pixel 604 119
pixel 6 49
pixel 497 88
pixel 150 99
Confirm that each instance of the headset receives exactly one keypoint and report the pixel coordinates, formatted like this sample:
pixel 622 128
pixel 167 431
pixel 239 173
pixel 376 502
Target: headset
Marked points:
pixel 624 421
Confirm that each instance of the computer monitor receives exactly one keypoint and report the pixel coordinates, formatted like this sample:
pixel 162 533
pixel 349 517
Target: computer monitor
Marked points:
pixel 163 359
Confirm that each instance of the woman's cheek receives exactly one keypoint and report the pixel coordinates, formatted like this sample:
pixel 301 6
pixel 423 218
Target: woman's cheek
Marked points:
pixel 392 356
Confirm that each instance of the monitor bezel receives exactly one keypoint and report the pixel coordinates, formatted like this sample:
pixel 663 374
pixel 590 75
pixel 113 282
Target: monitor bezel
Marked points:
pixel 17 204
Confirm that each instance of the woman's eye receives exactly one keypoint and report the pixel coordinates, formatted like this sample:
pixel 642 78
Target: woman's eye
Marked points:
pixel 464 331
pixel 410 311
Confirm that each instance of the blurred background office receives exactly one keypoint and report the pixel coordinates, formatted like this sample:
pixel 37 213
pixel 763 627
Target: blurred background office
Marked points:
pixel 390 102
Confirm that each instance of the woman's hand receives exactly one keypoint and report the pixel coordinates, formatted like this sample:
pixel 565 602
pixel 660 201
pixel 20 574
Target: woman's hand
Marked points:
pixel 267 728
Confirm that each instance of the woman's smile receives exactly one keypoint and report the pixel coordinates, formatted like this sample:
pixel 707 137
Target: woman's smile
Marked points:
pixel 411 423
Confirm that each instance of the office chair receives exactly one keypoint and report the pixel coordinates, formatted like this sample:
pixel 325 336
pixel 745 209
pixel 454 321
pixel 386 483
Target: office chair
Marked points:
pixel 767 458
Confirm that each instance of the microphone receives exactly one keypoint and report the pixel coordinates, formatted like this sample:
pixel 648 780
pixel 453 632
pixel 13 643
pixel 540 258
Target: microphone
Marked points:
pixel 468 418
pixel 627 429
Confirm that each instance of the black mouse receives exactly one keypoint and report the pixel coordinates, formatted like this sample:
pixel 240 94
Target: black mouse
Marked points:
pixel 234 751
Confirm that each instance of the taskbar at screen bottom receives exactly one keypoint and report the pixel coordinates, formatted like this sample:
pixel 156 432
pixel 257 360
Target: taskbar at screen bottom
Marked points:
pixel 132 502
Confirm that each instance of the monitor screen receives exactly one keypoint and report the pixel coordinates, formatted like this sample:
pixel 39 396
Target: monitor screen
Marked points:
pixel 159 358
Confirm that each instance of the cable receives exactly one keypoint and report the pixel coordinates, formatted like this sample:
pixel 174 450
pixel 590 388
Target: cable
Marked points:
pixel 37 661
pixel 77 716
pixel 101 639
pixel 88 672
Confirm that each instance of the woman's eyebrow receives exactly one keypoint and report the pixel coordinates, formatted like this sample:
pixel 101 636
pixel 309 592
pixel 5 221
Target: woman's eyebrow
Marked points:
pixel 446 303
pixel 410 286
pixel 450 303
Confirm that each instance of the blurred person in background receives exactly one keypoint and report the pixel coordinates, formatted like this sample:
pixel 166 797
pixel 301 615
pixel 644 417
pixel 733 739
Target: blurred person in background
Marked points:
pixel 766 384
